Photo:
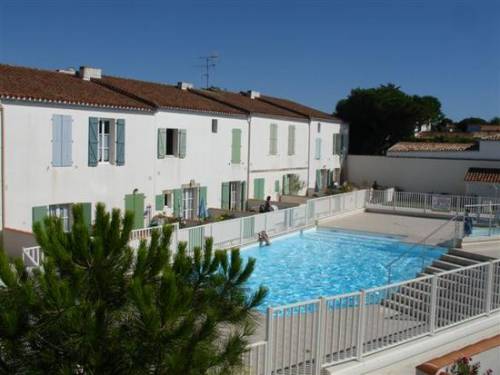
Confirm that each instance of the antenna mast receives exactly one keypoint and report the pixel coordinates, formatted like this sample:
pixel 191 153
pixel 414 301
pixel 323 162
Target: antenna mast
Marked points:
pixel 209 63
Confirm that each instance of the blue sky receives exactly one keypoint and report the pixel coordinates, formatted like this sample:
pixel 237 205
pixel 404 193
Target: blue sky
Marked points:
pixel 311 51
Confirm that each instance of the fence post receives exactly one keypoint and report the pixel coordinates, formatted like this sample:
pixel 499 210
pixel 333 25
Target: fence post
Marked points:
pixel 319 337
pixel 433 312
pixel 241 230
pixel 361 325
pixel 489 288
pixel 269 345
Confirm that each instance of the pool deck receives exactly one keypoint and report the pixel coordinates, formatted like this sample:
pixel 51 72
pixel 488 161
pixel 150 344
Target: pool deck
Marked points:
pixel 410 228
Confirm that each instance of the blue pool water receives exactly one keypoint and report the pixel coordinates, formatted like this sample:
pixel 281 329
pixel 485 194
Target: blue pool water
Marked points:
pixel 330 262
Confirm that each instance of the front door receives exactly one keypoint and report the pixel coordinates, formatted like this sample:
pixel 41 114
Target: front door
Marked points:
pixel 135 204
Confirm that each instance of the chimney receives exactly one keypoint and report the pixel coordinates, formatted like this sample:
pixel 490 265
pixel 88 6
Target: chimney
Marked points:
pixel 253 94
pixel 184 85
pixel 87 73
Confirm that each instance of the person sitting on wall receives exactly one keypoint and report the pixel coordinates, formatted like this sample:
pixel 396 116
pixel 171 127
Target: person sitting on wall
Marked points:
pixel 263 238
pixel 267 205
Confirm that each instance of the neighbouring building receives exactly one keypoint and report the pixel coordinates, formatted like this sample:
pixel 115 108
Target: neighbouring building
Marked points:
pixel 484 182
pixel 83 137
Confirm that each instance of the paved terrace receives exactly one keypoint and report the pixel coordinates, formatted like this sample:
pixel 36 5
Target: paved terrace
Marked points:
pixel 410 228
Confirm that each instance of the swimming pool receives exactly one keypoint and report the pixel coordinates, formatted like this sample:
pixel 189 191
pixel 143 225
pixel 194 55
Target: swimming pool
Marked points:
pixel 326 262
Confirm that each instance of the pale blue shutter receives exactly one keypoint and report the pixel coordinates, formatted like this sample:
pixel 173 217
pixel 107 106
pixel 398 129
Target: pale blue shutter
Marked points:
pixel 318 149
pixel 67 141
pixel 182 143
pixel 273 139
pixel 162 137
pixel 57 141
pixel 291 140
pixel 225 196
pixel 120 142
pixel 93 141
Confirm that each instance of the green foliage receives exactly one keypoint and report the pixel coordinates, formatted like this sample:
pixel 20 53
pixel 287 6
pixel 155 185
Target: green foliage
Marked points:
pixel 379 117
pixel 495 120
pixel 95 307
pixel 462 125
pixel 465 366
pixel 295 184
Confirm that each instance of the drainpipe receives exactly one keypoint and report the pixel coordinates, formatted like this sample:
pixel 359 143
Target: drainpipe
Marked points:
pixel 308 155
pixel 2 166
pixel 247 193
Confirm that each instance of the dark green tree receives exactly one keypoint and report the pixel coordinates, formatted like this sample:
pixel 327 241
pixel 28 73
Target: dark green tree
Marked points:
pixel 98 307
pixel 463 124
pixel 379 117
pixel 495 120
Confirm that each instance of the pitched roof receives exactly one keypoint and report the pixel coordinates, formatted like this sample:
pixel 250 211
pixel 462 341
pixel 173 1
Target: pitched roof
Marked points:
pixel 495 137
pixel 488 175
pixel 432 147
pixel 247 104
pixel 20 83
pixel 299 108
pixel 166 96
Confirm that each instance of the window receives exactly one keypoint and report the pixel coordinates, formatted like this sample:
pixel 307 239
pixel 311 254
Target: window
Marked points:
pixel 62 141
pixel 63 212
pixel 215 124
pixel 317 151
pixel 235 195
pixel 319 127
pixel 337 146
pixel 236 146
pixel 188 204
pixel 171 142
pixel 291 140
pixel 167 200
pixel 104 140
pixel 273 139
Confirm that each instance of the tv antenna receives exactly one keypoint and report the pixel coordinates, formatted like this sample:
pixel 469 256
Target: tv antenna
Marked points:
pixel 208 65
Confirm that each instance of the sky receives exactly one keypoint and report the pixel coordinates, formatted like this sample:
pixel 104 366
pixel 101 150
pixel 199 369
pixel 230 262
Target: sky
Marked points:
pixel 314 52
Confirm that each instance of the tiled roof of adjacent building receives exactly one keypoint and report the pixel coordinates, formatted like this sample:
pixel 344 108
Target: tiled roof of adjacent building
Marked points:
pixel 432 147
pixel 37 85
pixel 166 96
pixel 495 137
pixel 247 104
pixel 488 175
pixel 28 84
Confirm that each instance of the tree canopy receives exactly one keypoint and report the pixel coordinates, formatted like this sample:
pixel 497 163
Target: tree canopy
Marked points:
pixel 96 307
pixel 379 117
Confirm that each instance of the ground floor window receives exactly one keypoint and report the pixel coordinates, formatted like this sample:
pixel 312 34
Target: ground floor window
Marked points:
pixel 235 196
pixel 63 212
pixel 189 203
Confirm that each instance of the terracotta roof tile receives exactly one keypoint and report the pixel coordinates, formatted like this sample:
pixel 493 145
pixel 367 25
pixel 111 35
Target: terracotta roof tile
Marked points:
pixel 20 83
pixel 488 175
pixel 166 96
pixel 247 104
pixel 299 108
pixel 495 137
pixel 432 147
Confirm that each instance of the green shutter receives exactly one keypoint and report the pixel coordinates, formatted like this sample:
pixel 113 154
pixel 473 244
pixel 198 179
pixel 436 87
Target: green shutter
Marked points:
pixel 39 214
pixel 120 142
pixel 178 202
pixel 258 188
pixel 135 204
pixel 236 146
pixel 225 196
pixel 273 139
pixel 93 141
pixel 277 186
pixel 318 179
pixel 159 202
pixel 286 185
pixel 330 178
pixel 243 195
pixel 161 147
pixel 203 195
pixel 317 150
pixel 182 143
pixel 339 144
pixel 249 227
pixel 87 213
pixel 291 140
pixel 196 237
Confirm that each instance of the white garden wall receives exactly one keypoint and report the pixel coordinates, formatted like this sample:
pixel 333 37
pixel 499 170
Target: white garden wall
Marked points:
pixel 413 174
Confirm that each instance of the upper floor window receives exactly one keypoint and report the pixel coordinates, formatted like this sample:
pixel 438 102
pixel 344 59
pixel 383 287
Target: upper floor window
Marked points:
pixel 215 125
pixel 273 139
pixel 106 141
pixel 319 127
pixel 62 141
pixel 337 145
pixel 171 142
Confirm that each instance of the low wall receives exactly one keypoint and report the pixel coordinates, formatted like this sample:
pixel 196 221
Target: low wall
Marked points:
pixel 413 174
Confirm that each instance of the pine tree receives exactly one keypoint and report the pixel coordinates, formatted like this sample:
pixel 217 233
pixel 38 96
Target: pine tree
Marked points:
pixel 96 306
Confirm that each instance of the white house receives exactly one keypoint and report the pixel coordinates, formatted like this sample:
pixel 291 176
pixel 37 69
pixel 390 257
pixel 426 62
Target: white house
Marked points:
pixel 82 137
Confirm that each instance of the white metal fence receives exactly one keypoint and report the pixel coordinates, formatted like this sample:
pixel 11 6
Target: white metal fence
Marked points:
pixel 241 231
pixel 305 337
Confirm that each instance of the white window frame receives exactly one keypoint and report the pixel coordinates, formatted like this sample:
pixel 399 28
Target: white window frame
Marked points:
pixel 175 142
pixel 189 203
pixel 109 146
pixel 63 212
